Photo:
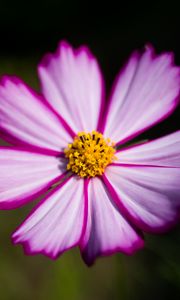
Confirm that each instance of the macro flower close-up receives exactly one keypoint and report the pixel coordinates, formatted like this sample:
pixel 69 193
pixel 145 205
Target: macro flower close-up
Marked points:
pixel 72 144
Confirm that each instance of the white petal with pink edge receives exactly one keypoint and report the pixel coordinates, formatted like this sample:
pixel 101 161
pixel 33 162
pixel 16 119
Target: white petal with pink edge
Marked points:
pixel 145 92
pixel 72 83
pixel 150 196
pixel 25 174
pixel 25 116
pixel 163 151
pixel 57 223
pixel 107 230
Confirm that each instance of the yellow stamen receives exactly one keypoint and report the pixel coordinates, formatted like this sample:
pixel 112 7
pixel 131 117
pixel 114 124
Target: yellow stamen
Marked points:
pixel 89 154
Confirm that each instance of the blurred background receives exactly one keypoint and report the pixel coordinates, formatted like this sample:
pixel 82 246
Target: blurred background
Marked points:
pixel 27 31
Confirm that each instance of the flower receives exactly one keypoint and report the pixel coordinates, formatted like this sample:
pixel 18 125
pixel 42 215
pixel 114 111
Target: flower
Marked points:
pixel 65 142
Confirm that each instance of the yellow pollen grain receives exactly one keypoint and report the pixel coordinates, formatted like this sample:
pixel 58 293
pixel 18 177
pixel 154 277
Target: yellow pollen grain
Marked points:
pixel 89 154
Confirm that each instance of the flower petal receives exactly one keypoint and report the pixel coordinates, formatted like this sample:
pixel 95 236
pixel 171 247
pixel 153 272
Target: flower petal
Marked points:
pixel 56 224
pixel 107 230
pixel 149 196
pixel 164 151
pixel 145 92
pixel 72 83
pixel 24 175
pixel 27 119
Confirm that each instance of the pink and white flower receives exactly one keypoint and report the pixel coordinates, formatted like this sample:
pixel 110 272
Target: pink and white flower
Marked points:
pixel 139 191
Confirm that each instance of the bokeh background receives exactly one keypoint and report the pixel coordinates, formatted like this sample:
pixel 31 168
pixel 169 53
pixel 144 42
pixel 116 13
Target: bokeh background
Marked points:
pixel 28 29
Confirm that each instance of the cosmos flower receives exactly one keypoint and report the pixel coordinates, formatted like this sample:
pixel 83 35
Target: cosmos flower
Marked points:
pixel 66 144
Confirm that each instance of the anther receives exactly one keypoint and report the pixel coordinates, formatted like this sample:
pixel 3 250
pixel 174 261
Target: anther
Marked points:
pixel 89 159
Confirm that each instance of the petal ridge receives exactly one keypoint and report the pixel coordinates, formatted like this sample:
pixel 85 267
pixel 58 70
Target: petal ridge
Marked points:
pixel 163 151
pixel 152 96
pixel 71 80
pixel 26 119
pixel 107 231
pixel 26 175
pixel 42 234
pixel 148 196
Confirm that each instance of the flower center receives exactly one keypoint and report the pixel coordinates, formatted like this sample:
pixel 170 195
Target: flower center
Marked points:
pixel 89 154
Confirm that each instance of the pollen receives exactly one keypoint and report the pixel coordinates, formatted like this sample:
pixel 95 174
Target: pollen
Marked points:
pixel 89 154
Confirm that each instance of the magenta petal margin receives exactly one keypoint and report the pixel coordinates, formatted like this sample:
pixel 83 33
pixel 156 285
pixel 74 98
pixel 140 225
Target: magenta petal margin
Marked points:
pixel 138 193
pixel 145 92
pixel 72 83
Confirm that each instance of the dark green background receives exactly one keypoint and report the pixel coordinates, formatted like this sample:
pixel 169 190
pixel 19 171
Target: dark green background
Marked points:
pixel 27 31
